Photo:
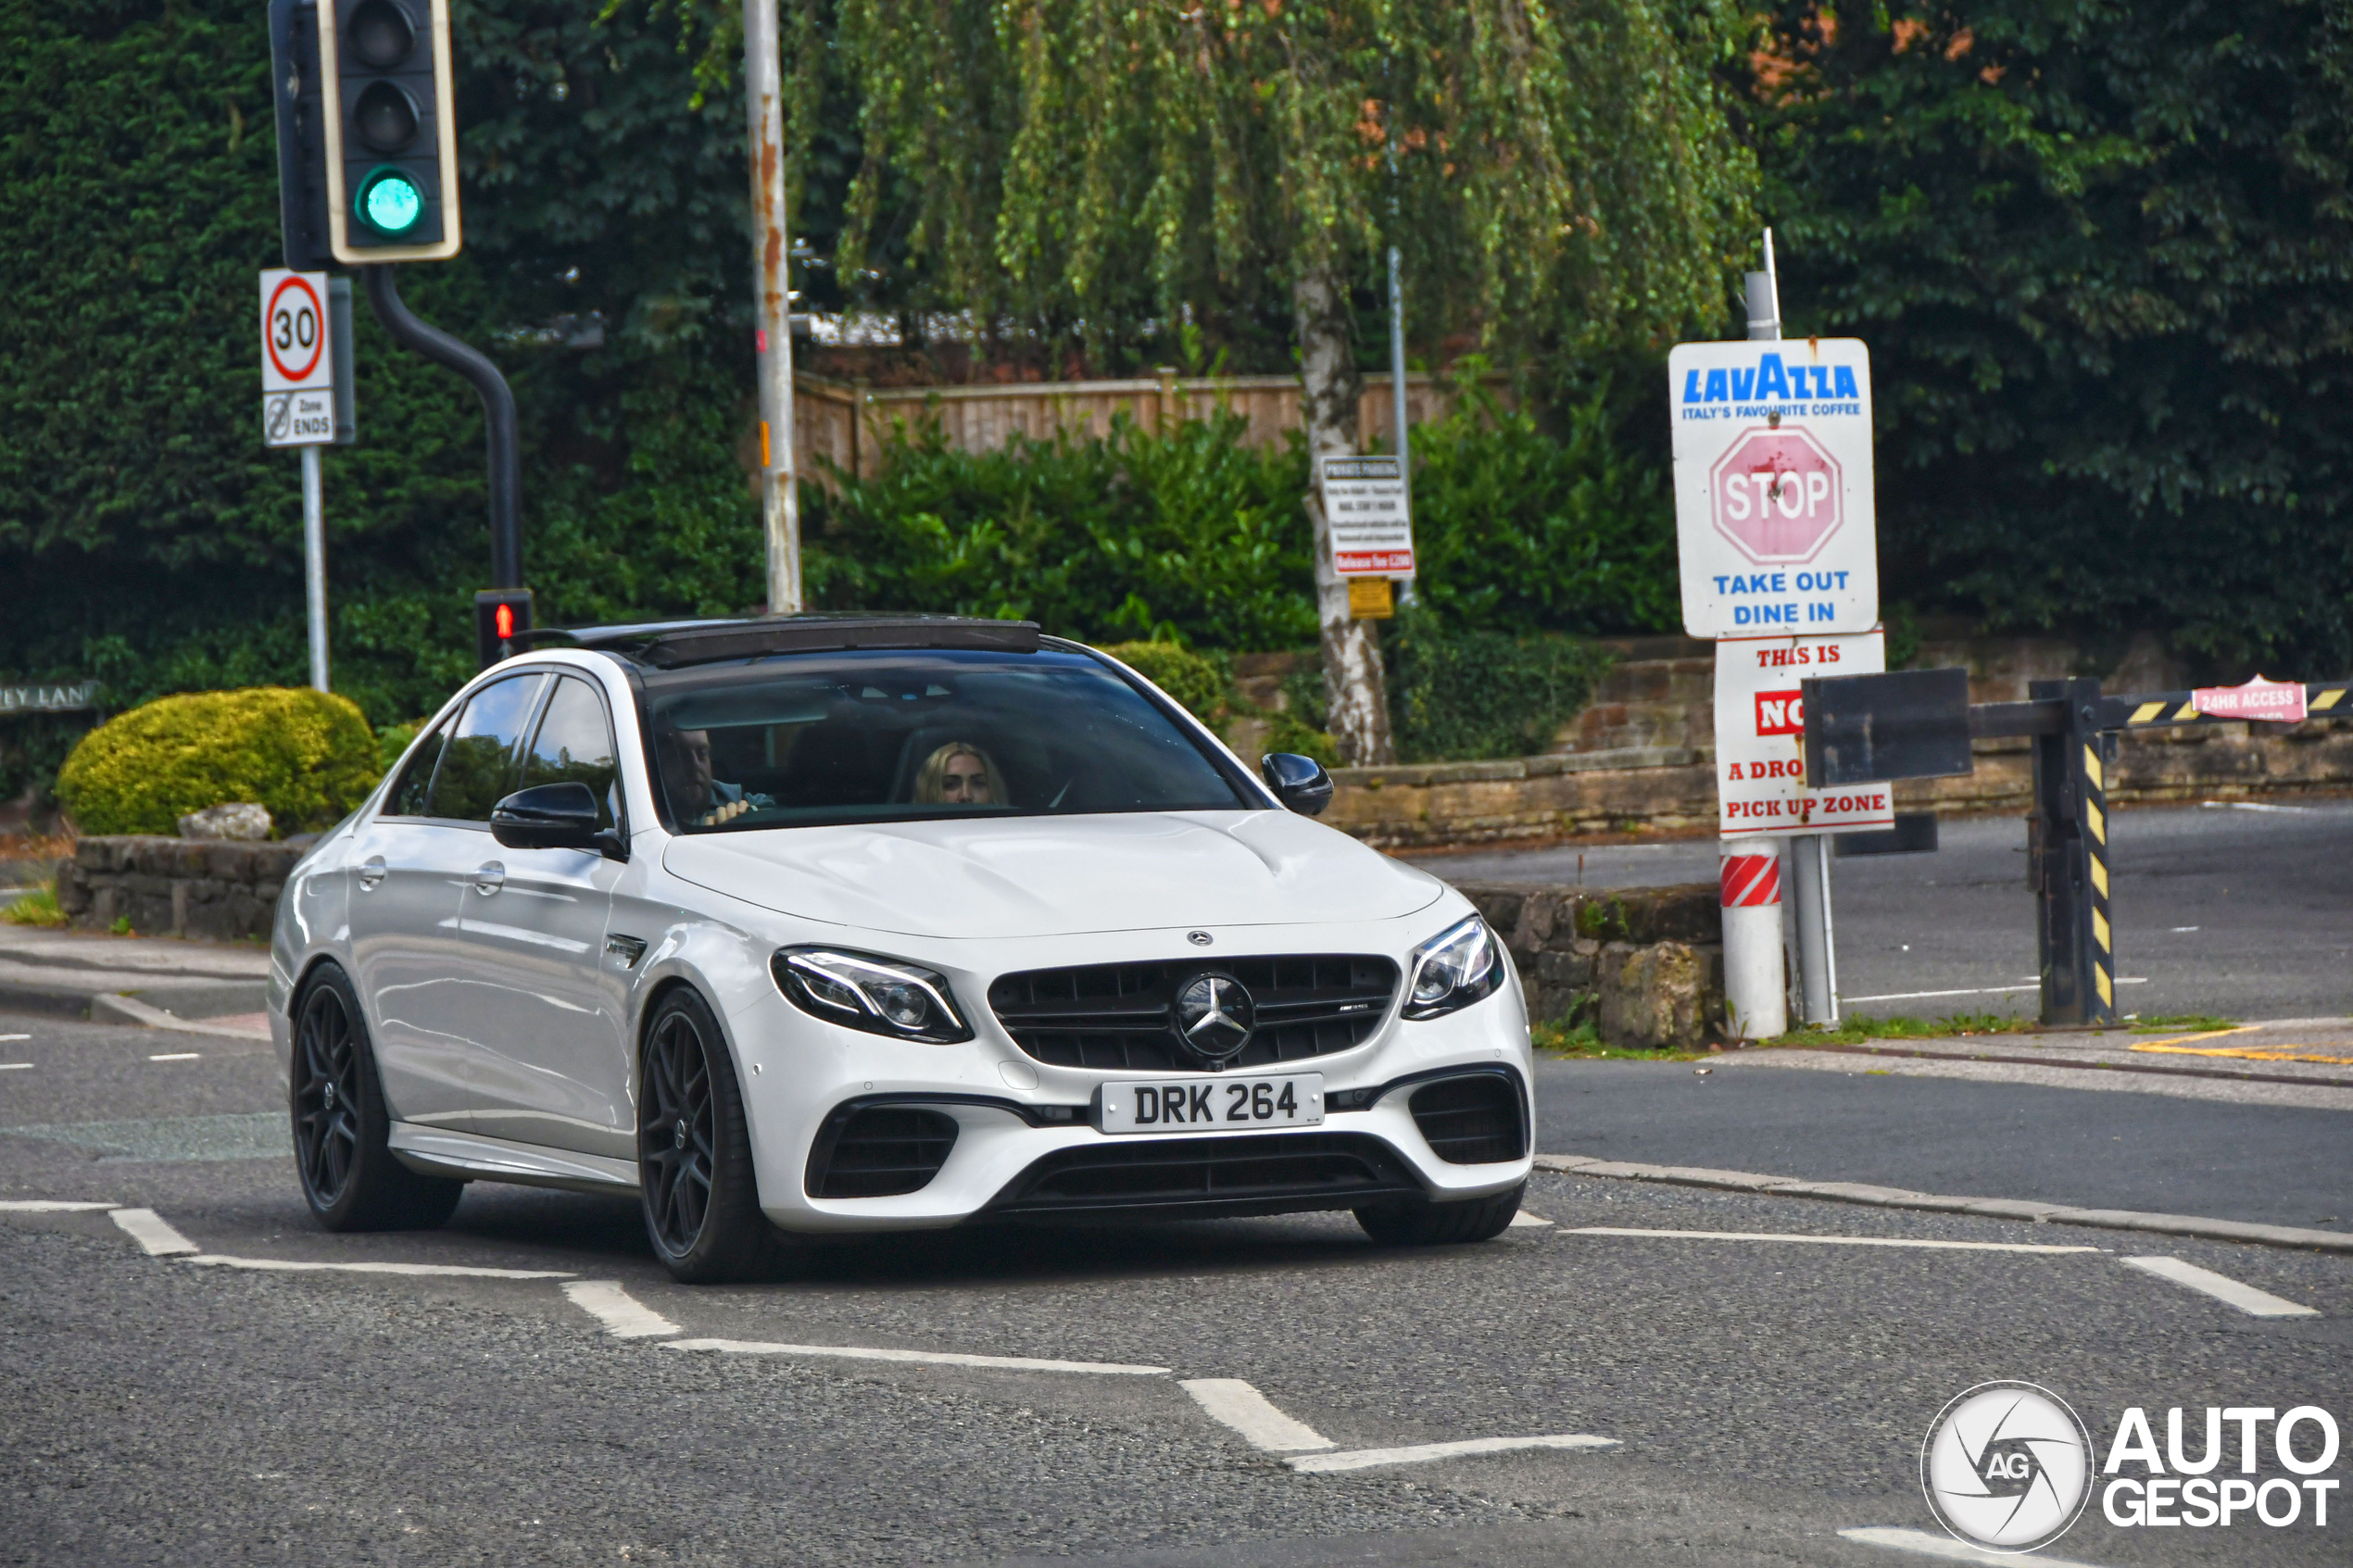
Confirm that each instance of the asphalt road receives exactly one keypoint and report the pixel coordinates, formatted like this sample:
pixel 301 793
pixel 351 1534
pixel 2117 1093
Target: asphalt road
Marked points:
pixel 1758 1395
pixel 2235 911
pixel 2266 1164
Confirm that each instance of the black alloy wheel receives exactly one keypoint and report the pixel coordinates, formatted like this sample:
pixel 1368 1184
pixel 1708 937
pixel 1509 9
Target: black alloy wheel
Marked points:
pixel 1424 1223
pixel 350 1177
pixel 693 1153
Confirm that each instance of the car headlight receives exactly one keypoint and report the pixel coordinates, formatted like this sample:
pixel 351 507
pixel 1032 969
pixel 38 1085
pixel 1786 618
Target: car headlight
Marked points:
pixel 1451 970
pixel 881 995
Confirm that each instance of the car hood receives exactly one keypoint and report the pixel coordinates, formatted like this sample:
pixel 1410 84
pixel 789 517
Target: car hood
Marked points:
pixel 1047 877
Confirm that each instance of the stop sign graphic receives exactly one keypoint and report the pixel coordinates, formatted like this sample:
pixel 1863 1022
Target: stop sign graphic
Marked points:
pixel 1777 495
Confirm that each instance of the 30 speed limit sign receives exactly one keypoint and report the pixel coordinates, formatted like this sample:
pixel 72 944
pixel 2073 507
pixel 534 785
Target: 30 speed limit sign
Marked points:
pixel 294 332
pixel 298 368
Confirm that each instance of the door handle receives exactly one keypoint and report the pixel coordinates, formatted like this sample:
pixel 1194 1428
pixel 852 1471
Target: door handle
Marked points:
pixel 372 871
pixel 490 878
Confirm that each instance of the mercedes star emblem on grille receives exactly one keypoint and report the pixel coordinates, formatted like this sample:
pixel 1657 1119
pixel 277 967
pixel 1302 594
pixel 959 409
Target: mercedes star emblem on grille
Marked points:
pixel 1215 1016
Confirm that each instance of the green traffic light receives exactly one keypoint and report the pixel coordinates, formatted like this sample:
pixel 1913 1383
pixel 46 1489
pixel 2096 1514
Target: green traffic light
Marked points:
pixel 389 202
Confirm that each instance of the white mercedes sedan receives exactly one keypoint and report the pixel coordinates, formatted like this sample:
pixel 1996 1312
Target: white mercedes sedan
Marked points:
pixel 827 924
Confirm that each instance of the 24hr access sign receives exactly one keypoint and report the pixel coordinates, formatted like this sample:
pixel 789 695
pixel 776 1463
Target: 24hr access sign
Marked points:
pixel 1774 520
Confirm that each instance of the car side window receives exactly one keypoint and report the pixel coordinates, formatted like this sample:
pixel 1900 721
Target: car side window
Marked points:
pixel 478 765
pixel 574 745
pixel 407 798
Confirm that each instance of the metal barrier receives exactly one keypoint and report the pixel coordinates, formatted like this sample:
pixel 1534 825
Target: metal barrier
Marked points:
pixel 1918 723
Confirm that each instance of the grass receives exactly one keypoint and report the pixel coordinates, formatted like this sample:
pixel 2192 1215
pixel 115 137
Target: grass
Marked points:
pixel 36 908
pixel 1583 1040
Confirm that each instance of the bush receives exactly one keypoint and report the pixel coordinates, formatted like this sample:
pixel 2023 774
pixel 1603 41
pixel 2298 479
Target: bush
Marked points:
pixel 307 755
pixel 1459 695
pixel 1193 681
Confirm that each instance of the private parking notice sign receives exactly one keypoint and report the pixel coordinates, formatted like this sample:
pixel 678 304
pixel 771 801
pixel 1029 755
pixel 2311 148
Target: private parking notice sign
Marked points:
pixel 1760 737
pixel 1774 521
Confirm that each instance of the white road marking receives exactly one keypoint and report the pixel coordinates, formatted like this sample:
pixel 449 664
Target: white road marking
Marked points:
pixel 175 1056
pixel 1830 1240
pixel 7 1038
pixel 1981 990
pixel 46 1206
pixel 623 1317
pixel 1526 1221
pixel 148 1229
pixel 1945 1546
pixel 2245 1298
pixel 1231 1402
pixel 928 1357
pixel 285 1265
pixel 1422 1453
pixel 14 1066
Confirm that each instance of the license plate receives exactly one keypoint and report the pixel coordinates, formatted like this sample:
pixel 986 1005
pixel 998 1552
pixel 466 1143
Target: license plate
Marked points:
pixel 1212 1104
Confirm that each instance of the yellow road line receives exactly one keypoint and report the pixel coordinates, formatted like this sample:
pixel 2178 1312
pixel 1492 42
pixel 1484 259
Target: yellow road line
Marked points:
pixel 2248 1053
pixel 2206 1035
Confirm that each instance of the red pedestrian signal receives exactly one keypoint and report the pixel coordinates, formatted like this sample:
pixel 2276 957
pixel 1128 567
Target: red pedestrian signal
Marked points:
pixel 502 621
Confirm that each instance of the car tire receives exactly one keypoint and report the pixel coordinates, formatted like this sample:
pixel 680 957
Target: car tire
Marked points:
pixel 700 1197
pixel 350 1177
pixel 1424 1223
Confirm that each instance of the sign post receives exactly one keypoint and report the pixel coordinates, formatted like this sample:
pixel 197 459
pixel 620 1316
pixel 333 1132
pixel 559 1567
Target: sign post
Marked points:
pixel 1778 539
pixel 298 409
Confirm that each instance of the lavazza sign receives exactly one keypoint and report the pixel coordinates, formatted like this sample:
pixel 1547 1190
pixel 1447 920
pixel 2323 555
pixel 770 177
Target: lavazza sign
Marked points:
pixel 1773 513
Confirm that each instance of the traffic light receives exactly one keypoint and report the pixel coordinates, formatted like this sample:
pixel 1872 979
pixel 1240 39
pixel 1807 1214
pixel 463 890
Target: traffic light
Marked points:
pixel 501 617
pixel 302 134
pixel 391 129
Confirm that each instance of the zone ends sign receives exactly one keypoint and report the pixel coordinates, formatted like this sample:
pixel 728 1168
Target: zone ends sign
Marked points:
pixel 1774 520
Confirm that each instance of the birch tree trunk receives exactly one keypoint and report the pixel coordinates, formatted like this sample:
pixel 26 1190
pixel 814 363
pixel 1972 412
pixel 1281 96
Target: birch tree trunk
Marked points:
pixel 1355 691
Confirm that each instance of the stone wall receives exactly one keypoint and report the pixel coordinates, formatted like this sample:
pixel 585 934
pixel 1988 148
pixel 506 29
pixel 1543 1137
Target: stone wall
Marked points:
pixel 1534 798
pixel 218 889
pixel 1645 964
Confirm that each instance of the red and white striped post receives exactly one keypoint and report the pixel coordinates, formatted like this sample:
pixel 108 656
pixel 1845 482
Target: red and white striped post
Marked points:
pixel 1755 996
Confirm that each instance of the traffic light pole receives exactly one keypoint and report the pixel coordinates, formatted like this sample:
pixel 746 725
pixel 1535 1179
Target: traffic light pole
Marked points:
pixel 499 411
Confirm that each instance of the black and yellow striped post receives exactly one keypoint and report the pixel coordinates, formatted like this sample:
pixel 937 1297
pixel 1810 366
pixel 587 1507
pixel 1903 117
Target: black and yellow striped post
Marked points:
pixel 2067 857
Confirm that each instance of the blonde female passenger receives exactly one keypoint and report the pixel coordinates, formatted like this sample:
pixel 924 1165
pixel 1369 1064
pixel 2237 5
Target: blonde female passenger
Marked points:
pixel 960 773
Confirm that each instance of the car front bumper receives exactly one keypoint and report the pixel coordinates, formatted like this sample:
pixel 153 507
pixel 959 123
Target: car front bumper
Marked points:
pixel 1026 1141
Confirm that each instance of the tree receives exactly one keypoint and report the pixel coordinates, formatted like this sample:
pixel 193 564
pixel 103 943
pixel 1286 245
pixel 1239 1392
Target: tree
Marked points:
pixel 2103 254
pixel 1084 174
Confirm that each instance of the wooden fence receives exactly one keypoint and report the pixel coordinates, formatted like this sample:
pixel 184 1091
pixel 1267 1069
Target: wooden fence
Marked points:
pixel 848 423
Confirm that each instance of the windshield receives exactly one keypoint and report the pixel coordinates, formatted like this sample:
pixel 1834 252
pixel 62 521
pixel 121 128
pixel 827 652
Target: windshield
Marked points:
pixel 798 740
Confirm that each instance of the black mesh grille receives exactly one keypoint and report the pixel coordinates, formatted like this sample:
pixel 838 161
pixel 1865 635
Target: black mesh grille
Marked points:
pixel 1473 1121
pixel 1306 1170
pixel 1116 1015
pixel 880 1151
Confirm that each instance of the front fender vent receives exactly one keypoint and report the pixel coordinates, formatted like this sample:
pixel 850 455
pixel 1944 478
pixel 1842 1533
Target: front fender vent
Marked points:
pixel 1471 1120
pixel 879 1151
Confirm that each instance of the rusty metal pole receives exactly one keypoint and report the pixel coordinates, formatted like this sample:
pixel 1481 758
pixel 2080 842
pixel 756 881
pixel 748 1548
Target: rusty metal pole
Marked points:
pixel 779 495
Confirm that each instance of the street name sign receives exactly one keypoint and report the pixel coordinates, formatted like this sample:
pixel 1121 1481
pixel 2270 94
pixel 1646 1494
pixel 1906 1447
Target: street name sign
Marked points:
pixel 1367 514
pixel 1774 520
pixel 297 360
pixel 1760 737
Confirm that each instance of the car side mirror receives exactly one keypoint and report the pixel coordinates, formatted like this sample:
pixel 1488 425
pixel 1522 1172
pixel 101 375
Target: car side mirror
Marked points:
pixel 556 816
pixel 1299 782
